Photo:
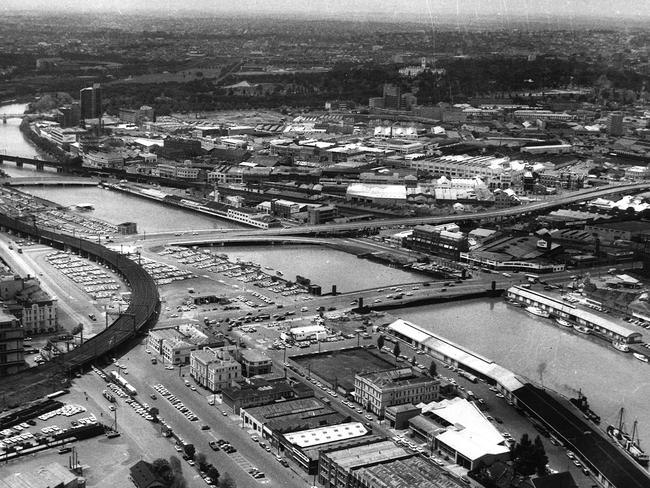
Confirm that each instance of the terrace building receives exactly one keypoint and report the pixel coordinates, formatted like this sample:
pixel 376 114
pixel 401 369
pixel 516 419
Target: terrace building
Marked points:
pixel 214 369
pixel 381 389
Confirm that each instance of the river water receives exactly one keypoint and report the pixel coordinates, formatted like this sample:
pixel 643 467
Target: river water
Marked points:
pixel 14 143
pixel 530 346
pixel 546 354
pixel 324 266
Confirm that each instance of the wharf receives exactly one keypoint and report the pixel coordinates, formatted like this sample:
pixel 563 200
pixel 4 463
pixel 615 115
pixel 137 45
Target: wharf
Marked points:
pixel 222 211
pixel 611 466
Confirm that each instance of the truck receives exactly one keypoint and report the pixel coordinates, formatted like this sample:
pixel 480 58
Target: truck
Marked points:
pixel 532 278
pixel 109 396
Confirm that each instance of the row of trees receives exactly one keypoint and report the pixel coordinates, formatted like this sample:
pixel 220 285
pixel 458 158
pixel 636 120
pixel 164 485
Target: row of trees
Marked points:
pixel 381 341
pixel 171 471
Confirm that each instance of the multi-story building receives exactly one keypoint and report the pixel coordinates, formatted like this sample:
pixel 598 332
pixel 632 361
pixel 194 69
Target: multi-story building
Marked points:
pixel 177 351
pixel 381 389
pixel 98 159
pixel 488 168
pixel 36 310
pixel 322 214
pixel 214 368
pixel 172 171
pixel 392 97
pixel 11 344
pixel 254 363
pixel 437 240
pixel 91 102
pixel 615 124
pixel 226 175
pixel 541 115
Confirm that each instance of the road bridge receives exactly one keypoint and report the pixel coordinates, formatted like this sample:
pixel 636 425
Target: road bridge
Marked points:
pixel 39 163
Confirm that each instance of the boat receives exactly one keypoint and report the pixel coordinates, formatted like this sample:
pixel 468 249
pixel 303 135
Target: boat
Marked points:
pixel 582 404
pixel 279 273
pixel 268 267
pixel 582 329
pixel 629 443
pixel 563 322
pixel 621 346
pixel 537 311
pixel 640 357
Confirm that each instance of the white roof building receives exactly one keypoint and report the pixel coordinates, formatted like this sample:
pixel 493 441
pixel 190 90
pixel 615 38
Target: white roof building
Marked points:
pixel 325 435
pixel 455 355
pixel 469 434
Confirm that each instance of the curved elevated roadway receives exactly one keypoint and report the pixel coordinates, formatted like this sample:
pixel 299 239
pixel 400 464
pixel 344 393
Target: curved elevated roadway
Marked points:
pixel 143 309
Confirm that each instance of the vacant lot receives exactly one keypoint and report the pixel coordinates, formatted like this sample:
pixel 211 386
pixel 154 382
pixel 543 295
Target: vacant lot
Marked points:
pixel 339 367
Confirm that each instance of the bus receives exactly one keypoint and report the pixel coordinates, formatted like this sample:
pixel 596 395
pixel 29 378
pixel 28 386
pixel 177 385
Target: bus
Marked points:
pixel 532 278
pixel 57 393
pixel 468 376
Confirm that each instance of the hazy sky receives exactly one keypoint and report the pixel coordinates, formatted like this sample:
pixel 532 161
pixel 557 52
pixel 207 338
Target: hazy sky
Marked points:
pixel 391 9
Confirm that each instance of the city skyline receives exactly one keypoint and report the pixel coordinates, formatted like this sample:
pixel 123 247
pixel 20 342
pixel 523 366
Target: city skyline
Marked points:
pixel 424 10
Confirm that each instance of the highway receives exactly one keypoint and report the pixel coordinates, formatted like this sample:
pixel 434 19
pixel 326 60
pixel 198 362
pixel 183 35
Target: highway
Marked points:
pixel 206 236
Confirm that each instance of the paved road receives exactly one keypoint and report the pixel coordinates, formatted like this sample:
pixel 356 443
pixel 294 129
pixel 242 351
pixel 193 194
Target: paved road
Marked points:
pixel 143 375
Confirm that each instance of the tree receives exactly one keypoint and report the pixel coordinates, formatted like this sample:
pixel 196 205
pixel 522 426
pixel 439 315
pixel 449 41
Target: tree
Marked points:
pixel 540 458
pixel 380 342
pixel 154 411
pixel 214 474
pixel 227 481
pixel 190 450
pixel 162 468
pixel 433 368
pixel 396 350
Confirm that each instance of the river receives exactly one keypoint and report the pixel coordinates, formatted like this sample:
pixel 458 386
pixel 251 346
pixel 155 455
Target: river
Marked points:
pixel 546 354
pixel 324 266
pixel 530 346
pixel 14 143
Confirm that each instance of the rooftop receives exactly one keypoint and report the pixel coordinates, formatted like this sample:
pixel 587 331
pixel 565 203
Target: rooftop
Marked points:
pixel 324 435
pixel 595 319
pixel 412 472
pixel 368 454
pixel 469 432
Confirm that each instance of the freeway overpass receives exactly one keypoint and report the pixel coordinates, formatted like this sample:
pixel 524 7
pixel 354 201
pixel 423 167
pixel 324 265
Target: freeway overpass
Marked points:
pixel 207 236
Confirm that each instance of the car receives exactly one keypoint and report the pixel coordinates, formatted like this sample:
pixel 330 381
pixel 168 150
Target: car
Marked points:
pixel 224 413
pixel 368 417
pixel 205 427
pixel 63 450
pixel 111 408
pixel 284 463
pixel 153 396
pixel 259 475
pixel 191 462
pixel 178 448
pixel 570 455
pixel 213 445
pixel 358 410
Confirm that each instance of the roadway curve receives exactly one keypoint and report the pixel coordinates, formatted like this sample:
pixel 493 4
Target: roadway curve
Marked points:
pixel 143 309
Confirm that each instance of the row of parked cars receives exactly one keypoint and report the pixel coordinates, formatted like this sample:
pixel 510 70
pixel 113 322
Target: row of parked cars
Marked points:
pixel 175 402
pixel 222 445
